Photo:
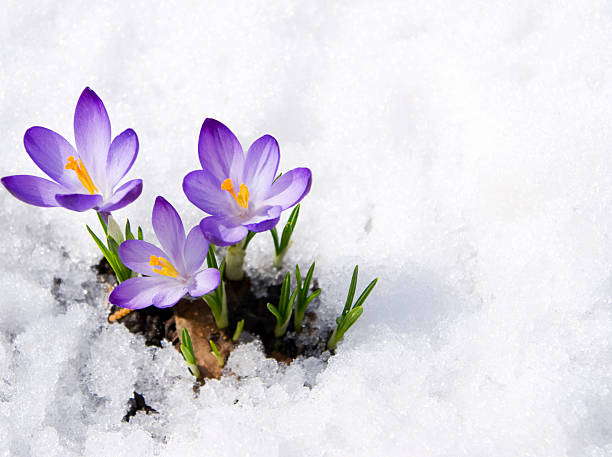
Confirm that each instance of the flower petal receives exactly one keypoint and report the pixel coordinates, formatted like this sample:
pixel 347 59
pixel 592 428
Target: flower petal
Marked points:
pixel 169 230
pixel 136 255
pixel 121 156
pixel 290 188
pixel 203 189
pixel 32 189
pixel 138 293
pixel 92 133
pixel 50 152
pixel 222 231
pixel 195 250
pixel 79 202
pixel 264 219
pixel 170 296
pixel 220 151
pixel 204 281
pixel 261 165
pixel 123 196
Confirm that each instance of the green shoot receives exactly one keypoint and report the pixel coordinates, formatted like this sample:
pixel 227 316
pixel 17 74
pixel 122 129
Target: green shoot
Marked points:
pixel 238 331
pixel 187 350
pixel 248 238
pixel 302 299
pixel 114 238
pixel 350 314
pixel 282 313
pixel 282 245
pixel 216 353
pixel 217 299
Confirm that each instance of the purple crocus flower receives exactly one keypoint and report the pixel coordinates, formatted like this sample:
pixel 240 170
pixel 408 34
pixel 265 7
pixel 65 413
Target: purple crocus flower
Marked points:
pixel 85 179
pixel 240 193
pixel 170 272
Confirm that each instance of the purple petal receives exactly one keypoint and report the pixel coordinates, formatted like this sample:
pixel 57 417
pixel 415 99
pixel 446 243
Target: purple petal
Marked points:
pixel 92 133
pixel 203 189
pixel 123 196
pixel 290 188
pixel 220 151
pixel 265 219
pixel 169 230
pixel 50 152
pixel 121 156
pixel 33 190
pixel 79 202
pixel 136 255
pixel 222 231
pixel 195 250
pixel 261 164
pixel 137 293
pixel 170 296
pixel 204 281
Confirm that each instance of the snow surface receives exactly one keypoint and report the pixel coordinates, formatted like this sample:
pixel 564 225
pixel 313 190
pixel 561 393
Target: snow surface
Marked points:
pixel 460 150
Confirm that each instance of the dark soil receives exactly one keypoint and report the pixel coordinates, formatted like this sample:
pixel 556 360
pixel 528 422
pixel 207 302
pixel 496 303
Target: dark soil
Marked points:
pixel 137 404
pixel 158 324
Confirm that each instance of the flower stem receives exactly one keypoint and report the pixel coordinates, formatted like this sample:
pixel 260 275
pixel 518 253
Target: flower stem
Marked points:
pixel 332 343
pixel 217 302
pixel 234 260
pixel 280 257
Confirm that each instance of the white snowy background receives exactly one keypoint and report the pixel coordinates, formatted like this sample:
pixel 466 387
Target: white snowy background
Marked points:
pixel 461 151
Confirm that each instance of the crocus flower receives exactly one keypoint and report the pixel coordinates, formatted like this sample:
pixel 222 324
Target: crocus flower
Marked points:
pixel 84 178
pixel 240 193
pixel 171 271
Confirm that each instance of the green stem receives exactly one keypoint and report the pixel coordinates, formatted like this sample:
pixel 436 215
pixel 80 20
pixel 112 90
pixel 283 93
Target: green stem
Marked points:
pixel 219 310
pixel 234 261
pixel 280 257
pixel 332 343
pixel 279 330
pixel 193 368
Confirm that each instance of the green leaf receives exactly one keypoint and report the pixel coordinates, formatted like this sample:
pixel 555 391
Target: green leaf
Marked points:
pixel 128 231
pixel 238 331
pixel 222 269
pixel 140 237
pixel 187 355
pixel 312 296
pixel 114 250
pixel 351 293
pixel 298 277
pixel 102 223
pixel 365 293
pixel 350 318
pixel 279 175
pixel 186 339
pixel 274 234
pixel 289 227
pixel 211 258
pixel 108 255
pixel 274 310
pixel 248 239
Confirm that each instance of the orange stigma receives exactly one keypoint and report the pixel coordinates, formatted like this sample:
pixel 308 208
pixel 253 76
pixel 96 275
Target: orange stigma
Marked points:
pixel 82 174
pixel 163 267
pixel 243 194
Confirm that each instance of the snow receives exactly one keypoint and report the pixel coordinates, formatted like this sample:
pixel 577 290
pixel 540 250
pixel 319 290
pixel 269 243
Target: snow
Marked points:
pixel 460 152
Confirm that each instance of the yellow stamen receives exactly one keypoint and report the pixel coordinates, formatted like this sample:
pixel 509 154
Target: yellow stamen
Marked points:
pixel 119 314
pixel 81 173
pixel 164 267
pixel 243 194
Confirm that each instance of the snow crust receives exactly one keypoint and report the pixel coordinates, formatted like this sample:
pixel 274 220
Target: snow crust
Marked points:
pixel 460 151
